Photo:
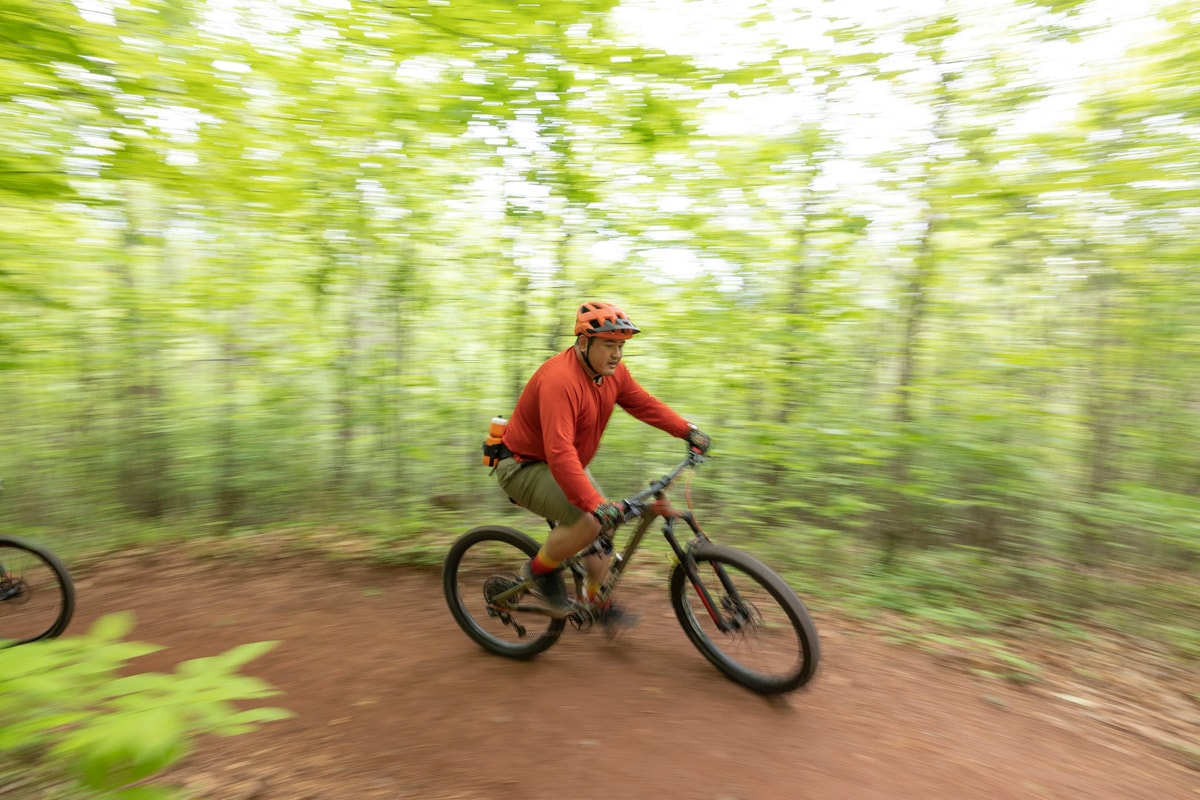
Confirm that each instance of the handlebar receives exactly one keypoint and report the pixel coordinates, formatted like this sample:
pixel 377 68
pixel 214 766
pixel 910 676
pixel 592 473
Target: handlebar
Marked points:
pixel 638 503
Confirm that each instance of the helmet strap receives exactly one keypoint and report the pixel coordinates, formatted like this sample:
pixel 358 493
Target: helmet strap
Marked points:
pixel 597 378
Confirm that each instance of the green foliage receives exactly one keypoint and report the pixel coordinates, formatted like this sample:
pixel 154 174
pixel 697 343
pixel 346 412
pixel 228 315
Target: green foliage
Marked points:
pixel 1150 521
pixel 280 270
pixel 73 714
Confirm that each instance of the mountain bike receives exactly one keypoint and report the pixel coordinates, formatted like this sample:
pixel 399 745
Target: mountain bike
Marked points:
pixel 737 612
pixel 37 597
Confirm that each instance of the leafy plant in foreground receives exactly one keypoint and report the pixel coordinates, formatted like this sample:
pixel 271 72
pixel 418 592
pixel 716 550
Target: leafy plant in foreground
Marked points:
pixel 78 719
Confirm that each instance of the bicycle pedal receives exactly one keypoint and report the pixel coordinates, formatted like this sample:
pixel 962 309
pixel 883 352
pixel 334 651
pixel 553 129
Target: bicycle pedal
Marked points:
pixel 582 619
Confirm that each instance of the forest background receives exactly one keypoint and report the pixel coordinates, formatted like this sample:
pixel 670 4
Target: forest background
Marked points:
pixel 927 274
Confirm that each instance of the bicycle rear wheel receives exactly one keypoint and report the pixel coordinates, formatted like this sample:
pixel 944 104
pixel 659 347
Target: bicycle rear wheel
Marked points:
pixel 770 645
pixel 483 563
pixel 37 597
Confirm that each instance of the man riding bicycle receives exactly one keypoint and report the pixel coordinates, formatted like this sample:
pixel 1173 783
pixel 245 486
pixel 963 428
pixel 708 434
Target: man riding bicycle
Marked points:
pixel 554 432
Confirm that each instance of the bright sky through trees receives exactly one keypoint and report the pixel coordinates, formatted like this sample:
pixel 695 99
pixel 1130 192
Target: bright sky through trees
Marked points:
pixel 871 117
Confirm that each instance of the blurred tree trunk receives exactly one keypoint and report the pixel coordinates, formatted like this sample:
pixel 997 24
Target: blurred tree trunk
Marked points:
pixel 399 288
pixel 796 326
pixel 228 493
pixel 1101 412
pixel 562 306
pixel 898 525
pixel 1099 404
pixel 143 471
pixel 345 368
pixel 517 313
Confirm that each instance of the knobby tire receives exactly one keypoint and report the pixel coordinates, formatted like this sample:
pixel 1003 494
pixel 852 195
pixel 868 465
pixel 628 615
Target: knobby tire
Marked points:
pixel 494 552
pixel 747 656
pixel 38 595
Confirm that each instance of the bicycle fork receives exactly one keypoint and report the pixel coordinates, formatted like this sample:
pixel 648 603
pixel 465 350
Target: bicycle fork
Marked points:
pixel 733 602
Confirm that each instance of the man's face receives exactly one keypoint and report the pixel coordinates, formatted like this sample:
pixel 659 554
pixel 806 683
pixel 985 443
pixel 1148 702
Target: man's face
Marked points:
pixel 605 355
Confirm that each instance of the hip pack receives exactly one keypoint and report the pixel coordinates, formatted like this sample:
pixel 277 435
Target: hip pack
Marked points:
pixel 494 450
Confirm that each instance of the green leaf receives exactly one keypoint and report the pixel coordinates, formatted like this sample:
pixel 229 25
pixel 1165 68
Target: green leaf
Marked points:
pixel 145 793
pixel 112 627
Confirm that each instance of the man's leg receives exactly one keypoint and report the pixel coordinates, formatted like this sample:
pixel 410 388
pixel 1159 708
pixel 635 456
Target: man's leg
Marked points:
pixel 534 488
pixel 597 567
pixel 567 540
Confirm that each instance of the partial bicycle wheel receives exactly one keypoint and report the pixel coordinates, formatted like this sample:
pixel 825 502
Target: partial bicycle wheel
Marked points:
pixel 770 645
pixel 485 562
pixel 37 597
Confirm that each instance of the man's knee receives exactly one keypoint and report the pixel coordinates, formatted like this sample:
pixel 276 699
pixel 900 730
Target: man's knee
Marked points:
pixel 584 529
pixel 589 523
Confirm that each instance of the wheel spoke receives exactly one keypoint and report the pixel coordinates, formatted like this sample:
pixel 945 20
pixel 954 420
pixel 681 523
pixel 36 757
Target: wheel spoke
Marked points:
pixel 36 596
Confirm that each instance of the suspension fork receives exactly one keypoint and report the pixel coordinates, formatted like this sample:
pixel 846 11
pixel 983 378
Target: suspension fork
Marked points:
pixel 692 569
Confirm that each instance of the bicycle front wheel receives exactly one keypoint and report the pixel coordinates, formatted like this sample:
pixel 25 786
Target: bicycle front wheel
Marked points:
pixel 765 639
pixel 37 597
pixel 485 562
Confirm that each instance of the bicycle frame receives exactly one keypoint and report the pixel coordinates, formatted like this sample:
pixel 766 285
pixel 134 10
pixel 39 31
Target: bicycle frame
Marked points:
pixel 649 505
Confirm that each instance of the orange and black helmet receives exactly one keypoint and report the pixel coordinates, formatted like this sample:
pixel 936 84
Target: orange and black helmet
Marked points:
pixel 603 321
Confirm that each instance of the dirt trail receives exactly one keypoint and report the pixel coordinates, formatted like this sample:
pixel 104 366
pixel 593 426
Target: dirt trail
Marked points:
pixel 393 701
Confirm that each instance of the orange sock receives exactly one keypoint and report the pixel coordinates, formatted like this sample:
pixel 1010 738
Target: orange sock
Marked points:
pixel 540 564
pixel 593 590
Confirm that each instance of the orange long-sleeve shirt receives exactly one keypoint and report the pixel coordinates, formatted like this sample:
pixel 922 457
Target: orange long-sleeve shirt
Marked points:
pixel 562 413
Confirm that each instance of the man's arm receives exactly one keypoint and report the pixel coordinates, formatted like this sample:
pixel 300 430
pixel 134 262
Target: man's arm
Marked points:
pixel 558 416
pixel 648 408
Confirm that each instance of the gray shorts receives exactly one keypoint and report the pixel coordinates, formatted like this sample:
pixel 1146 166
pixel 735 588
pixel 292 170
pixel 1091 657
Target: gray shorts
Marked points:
pixel 534 488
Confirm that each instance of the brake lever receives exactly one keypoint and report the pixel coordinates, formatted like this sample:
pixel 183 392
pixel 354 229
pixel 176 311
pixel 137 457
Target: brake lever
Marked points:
pixel 633 509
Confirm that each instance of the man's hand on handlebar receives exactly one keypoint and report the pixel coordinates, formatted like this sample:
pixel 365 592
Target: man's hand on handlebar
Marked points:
pixel 609 514
pixel 698 440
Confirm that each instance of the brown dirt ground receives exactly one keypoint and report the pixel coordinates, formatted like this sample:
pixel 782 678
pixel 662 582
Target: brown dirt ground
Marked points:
pixel 393 701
